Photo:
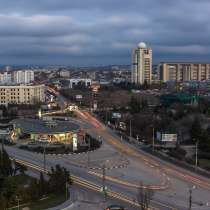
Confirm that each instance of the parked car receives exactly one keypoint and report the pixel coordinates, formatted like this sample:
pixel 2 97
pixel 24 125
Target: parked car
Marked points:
pixel 115 207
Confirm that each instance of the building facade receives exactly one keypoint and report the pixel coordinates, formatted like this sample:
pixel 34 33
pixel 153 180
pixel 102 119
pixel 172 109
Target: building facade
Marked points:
pixel 23 76
pixel 5 77
pixel 41 130
pixel 79 81
pixel 64 73
pixel 21 94
pixel 141 71
pixel 180 72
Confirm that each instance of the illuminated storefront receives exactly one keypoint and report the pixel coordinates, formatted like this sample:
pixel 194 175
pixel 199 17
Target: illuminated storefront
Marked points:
pixel 50 131
pixel 60 137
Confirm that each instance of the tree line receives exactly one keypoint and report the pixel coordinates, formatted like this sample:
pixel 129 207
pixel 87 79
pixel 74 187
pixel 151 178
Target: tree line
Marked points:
pixel 32 190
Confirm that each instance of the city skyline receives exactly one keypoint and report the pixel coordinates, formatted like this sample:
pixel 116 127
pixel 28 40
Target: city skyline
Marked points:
pixel 102 32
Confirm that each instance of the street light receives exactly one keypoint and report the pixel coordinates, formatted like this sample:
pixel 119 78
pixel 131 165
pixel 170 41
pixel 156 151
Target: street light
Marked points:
pixel 130 129
pixel 196 155
pixel 104 188
pixel 18 200
pixel 153 139
pixel 44 157
pixel 190 196
pixel 88 153
pixel 2 147
pixel 66 190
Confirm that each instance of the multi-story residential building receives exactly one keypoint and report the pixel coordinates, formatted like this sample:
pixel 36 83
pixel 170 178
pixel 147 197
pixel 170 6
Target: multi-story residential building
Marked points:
pixel 5 77
pixel 21 94
pixel 141 64
pixel 23 76
pixel 64 73
pixel 77 81
pixel 183 72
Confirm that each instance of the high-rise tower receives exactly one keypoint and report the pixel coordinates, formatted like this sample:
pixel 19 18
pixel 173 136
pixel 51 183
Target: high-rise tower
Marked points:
pixel 141 64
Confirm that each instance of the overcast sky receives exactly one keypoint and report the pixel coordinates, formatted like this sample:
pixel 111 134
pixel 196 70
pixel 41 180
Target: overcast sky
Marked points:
pixel 100 32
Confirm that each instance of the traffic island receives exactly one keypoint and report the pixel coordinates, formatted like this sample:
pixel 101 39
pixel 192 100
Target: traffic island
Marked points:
pixel 52 136
pixel 57 148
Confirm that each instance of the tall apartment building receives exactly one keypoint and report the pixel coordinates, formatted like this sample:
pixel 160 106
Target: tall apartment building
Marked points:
pixel 23 76
pixel 141 64
pixel 5 77
pixel 183 72
pixel 21 94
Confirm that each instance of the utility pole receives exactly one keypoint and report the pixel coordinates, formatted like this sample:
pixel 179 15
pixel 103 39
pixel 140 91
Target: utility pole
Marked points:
pixel 103 182
pixel 18 204
pixel 66 190
pixel 2 143
pixel 18 200
pixel 44 153
pixel 130 129
pixel 88 153
pixel 196 155
pixel 106 116
pixel 153 139
pixel 190 198
pixel 2 147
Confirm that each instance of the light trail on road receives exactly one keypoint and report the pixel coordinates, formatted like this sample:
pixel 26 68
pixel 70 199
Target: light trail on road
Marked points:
pixel 151 187
pixel 157 165
pixel 153 163
pixel 97 188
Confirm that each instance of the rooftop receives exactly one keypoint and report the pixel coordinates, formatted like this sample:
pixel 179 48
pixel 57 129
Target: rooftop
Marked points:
pixel 37 126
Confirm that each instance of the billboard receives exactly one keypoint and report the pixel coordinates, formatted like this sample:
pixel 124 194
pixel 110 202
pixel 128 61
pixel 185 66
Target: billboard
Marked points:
pixel 78 97
pixel 75 140
pixel 116 115
pixel 166 137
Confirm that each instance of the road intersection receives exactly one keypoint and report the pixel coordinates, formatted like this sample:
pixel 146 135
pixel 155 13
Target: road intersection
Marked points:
pixel 126 167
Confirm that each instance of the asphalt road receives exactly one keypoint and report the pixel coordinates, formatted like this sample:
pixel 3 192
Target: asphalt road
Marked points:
pixel 172 182
pixel 165 199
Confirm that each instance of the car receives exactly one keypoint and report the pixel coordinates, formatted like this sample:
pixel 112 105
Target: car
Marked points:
pixel 115 207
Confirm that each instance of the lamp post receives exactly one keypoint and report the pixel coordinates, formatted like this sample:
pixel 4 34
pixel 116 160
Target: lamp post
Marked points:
pixel 130 128
pixel 18 201
pixel 66 190
pixel 44 156
pixel 2 146
pixel 190 196
pixel 196 155
pixel 153 139
pixel 104 188
pixel 88 153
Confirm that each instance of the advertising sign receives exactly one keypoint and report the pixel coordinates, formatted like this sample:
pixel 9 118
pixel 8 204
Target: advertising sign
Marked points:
pixel 78 97
pixel 116 115
pixel 166 137
pixel 75 141
pixel 95 106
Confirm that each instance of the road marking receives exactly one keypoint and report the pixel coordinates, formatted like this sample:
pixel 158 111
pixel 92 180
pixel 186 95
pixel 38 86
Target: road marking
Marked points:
pixel 152 187
pixel 95 187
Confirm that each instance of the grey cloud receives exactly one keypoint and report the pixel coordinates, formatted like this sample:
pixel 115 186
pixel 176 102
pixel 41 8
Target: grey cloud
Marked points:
pixel 102 30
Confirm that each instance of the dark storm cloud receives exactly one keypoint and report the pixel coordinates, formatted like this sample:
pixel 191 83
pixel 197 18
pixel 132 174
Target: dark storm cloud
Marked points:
pixel 102 31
